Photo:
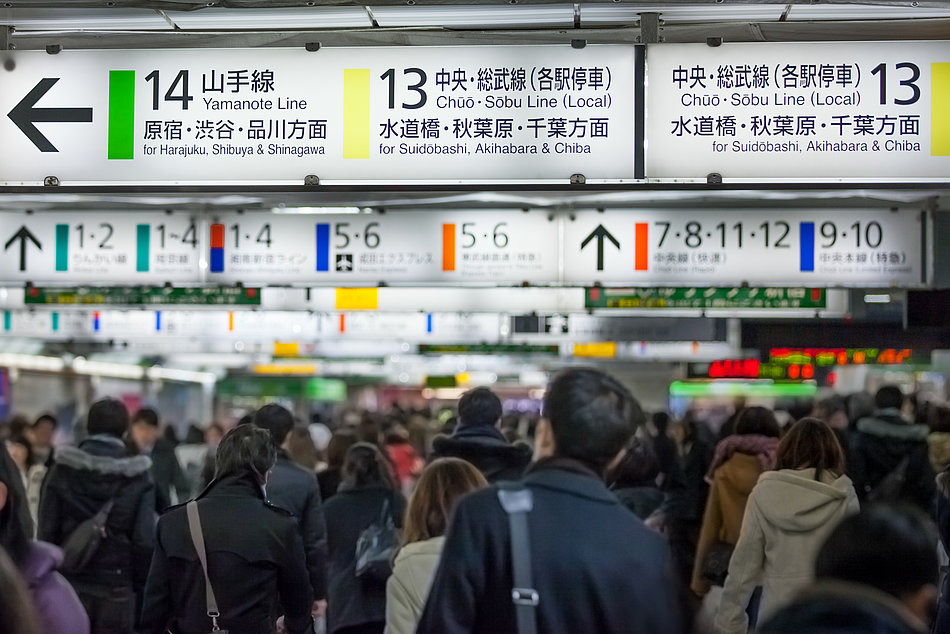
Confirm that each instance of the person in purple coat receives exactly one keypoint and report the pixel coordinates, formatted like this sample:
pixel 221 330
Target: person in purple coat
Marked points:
pixel 55 603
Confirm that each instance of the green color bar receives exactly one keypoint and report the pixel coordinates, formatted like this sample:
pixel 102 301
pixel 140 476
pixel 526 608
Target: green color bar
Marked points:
pixel 736 388
pixel 55 321
pixel 121 113
pixel 7 319
pixel 62 247
pixel 142 233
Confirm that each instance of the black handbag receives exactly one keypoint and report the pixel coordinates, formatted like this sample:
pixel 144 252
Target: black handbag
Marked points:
pixel 376 548
pixel 716 563
pixel 81 545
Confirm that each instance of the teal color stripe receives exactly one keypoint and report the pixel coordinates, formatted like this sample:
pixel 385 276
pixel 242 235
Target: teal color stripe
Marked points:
pixel 62 247
pixel 7 319
pixel 121 113
pixel 55 321
pixel 142 233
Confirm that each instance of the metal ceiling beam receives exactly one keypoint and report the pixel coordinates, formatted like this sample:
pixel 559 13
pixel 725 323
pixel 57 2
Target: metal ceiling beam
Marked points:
pixel 194 5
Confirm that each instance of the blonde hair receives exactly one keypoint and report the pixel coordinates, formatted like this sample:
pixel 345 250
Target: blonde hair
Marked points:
pixel 440 486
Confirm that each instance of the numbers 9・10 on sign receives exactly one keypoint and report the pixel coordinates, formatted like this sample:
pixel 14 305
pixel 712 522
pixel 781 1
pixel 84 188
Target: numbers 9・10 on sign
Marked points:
pixel 775 234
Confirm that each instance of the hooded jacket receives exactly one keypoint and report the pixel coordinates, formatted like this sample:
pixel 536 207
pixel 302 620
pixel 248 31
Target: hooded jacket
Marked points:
pixel 487 449
pixel 80 482
pixel 788 517
pixel 408 587
pixel 879 445
pixel 54 600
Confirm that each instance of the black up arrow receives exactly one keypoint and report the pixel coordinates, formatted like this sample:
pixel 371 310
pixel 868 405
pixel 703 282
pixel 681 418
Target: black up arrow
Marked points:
pixel 24 115
pixel 600 233
pixel 23 235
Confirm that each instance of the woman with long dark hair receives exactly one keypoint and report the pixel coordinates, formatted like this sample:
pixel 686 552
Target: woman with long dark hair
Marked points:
pixel 54 600
pixel 366 495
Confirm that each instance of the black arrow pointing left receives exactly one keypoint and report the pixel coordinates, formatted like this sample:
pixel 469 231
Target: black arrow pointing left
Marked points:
pixel 23 235
pixel 25 115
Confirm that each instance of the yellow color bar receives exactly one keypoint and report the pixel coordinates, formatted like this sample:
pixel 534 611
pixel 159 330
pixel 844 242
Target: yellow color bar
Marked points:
pixel 600 349
pixel 280 369
pixel 940 109
pixel 356 299
pixel 356 113
pixel 286 349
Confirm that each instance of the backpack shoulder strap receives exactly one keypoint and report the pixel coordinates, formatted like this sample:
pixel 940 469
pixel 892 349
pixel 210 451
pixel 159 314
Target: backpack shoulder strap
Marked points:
pixel 518 501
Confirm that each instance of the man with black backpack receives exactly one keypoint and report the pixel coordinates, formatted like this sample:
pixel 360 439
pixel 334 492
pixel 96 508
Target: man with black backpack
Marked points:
pixel 98 484
pixel 889 460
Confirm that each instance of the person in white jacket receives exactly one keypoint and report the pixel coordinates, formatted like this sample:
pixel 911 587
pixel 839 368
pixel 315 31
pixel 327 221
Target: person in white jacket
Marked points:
pixel 439 487
pixel 790 513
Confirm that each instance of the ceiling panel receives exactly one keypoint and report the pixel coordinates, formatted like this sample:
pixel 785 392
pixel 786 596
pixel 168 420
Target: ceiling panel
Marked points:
pixel 310 18
pixel 83 19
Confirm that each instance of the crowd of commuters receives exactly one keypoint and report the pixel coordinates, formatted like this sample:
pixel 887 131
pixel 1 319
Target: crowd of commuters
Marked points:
pixel 595 517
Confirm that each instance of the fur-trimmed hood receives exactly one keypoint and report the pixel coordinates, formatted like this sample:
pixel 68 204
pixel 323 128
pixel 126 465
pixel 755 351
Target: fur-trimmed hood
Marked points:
pixel 81 460
pixel 496 459
pixel 884 426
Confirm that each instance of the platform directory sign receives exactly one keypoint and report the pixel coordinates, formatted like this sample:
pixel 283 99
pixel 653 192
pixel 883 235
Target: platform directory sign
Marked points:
pixel 786 112
pixel 719 247
pixel 423 115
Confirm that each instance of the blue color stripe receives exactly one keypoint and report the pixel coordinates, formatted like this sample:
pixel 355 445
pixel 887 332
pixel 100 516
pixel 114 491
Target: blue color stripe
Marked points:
pixel 158 320
pixel 429 322
pixel 217 260
pixel 807 242
pixel 323 246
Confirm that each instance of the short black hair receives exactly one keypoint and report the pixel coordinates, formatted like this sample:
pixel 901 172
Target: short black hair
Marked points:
pixel 45 418
pixel 108 416
pixel 591 414
pixel 246 448
pixel 639 467
pixel 479 408
pixel 146 415
pixel 889 397
pixel 661 420
pixel 758 420
pixel 276 419
pixel 890 547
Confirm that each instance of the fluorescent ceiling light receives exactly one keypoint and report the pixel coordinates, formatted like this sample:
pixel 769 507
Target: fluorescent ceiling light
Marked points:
pixel 501 16
pixel 84 19
pixel 852 12
pixel 275 18
pixel 81 365
pixel 31 362
pixel 316 210
pixel 625 14
pixel 186 376
pixel 877 299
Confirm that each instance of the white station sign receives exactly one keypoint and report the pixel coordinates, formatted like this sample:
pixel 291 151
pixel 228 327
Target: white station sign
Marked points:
pixel 128 247
pixel 507 247
pixel 785 112
pixel 343 115
pixel 808 247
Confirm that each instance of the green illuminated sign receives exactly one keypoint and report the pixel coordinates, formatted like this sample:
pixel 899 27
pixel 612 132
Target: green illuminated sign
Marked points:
pixel 143 296
pixel 704 297
pixel 488 348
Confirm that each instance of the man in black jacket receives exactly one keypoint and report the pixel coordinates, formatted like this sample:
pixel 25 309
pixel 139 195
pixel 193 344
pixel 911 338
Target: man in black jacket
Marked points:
pixel 146 434
pixel 294 488
pixel 80 483
pixel 596 567
pixel 888 452
pixel 477 439
pixel 254 552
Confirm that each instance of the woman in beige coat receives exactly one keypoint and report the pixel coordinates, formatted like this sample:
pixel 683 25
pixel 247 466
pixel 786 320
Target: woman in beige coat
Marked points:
pixel 439 487
pixel 789 514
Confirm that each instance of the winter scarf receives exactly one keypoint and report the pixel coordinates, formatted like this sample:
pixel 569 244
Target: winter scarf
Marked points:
pixel 762 447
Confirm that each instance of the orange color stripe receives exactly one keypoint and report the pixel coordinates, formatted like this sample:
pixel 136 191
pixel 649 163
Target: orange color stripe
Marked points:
pixel 641 256
pixel 230 321
pixel 448 247
pixel 342 322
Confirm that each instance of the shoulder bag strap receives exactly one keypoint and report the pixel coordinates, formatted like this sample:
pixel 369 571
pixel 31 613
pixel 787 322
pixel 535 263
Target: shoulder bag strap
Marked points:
pixel 198 539
pixel 518 502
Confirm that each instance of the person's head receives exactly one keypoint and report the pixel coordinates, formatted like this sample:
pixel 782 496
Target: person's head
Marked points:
pixel 479 407
pixel 810 444
pixel 340 442
pixel 588 416
pixel 639 466
pixel 683 431
pixel 759 421
pixel 889 397
pixel 366 466
pixel 276 419
pixel 301 448
pixel 661 422
pixel 17 613
pixel 246 449
pixel 145 428
pixel 20 449
pixel 213 435
pixel 889 547
pixel 16 525
pixel 441 484
pixel 107 416
pixel 43 430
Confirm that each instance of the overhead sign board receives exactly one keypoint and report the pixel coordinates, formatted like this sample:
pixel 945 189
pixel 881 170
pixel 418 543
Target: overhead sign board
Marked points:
pixel 815 111
pixel 847 247
pixel 704 297
pixel 338 115
pixel 479 245
pixel 120 247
